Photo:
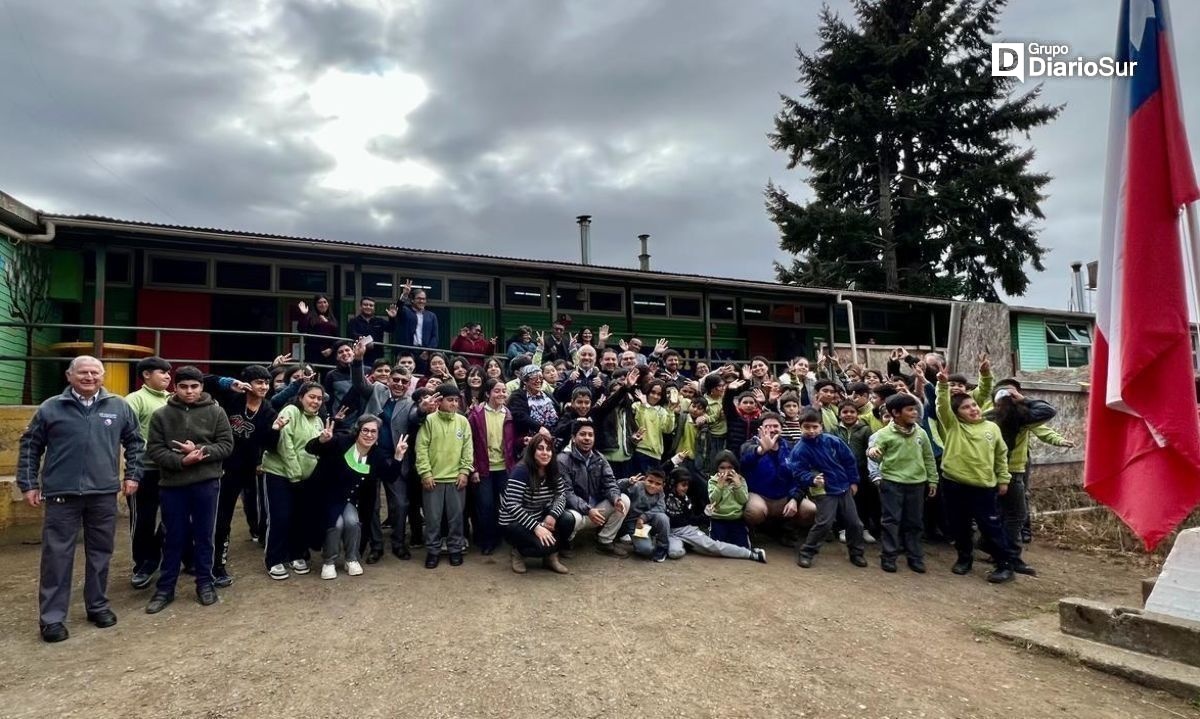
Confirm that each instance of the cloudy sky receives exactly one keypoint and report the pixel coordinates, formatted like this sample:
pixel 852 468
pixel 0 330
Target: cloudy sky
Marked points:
pixel 477 126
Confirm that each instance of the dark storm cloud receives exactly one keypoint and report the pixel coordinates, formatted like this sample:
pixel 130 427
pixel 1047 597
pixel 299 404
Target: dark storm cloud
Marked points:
pixel 651 116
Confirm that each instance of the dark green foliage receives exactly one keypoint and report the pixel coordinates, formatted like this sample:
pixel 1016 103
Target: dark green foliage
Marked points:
pixel 919 186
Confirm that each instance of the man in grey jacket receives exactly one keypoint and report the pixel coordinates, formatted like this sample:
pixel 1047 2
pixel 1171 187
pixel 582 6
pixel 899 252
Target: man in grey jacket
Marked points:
pixel 592 493
pixel 78 433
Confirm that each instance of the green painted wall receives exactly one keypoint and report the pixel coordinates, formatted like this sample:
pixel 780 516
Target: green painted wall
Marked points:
pixel 1029 339
pixel 120 310
pixel 47 376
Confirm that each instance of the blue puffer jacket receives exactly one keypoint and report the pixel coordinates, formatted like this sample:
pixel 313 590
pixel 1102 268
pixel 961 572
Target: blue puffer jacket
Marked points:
pixel 827 455
pixel 768 475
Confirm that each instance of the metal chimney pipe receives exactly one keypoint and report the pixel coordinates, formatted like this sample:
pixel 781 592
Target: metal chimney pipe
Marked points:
pixel 585 238
pixel 644 258
pixel 1077 276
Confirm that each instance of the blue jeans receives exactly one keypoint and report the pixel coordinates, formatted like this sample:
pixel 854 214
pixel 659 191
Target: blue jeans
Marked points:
pixel 643 463
pixel 487 508
pixel 189 514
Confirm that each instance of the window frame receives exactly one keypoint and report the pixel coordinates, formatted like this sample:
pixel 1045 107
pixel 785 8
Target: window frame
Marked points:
pixel 544 286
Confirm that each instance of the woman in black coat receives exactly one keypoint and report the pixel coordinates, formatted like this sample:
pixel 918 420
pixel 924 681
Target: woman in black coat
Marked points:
pixel 347 476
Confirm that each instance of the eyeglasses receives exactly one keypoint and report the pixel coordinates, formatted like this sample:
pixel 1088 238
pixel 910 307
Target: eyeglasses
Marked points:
pixel 400 381
pixel 368 430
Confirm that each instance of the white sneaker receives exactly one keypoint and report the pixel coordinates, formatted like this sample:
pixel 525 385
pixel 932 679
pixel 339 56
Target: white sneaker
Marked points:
pixel 353 569
pixel 625 539
pixel 328 571
pixel 842 536
pixel 868 537
pixel 278 572
pixel 300 566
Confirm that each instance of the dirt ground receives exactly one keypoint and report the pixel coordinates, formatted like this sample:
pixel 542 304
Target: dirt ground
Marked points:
pixel 698 637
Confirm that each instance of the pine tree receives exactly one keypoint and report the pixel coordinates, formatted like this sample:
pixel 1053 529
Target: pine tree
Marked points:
pixel 918 184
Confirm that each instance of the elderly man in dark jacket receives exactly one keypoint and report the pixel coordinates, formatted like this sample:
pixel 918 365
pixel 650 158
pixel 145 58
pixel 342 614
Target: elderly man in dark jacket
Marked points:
pixel 189 440
pixel 79 433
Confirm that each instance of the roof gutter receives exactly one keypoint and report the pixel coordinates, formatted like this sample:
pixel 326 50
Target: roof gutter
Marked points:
pixel 717 285
pixel 42 239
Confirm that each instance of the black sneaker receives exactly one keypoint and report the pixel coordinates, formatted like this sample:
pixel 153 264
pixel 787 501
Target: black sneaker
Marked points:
pixel 1000 576
pixel 374 556
pixel 401 553
pixel 159 602
pixel 660 554
pixel 206 595
pixel 858 560
pixel 1026 535
pixel 141 577
pixel 917 565
pixel 456 559
pixel 221 578
pixel 888 564
pixel 56 632
pixel 804 561
pixel 1023 568
pixel 961 567
pixel 103 619
pixel 432 559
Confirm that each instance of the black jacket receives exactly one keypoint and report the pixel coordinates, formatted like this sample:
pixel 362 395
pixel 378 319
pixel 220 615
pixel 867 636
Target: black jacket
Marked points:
pixel 338 484
pixel 203 423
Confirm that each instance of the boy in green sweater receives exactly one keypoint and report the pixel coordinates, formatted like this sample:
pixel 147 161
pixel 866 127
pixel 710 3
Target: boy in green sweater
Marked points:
pixel 445 458
pixel 975 466
pixel 901 464
pixel 145 532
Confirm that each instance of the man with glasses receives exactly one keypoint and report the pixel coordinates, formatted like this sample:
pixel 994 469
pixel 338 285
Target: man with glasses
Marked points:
pixel 399 415
pixel 558 344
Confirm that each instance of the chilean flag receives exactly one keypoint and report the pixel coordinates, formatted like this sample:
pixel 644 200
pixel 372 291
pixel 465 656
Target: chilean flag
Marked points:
pixel 1143 435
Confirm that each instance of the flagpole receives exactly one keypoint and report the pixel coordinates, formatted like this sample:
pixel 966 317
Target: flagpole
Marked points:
pixel 1193 250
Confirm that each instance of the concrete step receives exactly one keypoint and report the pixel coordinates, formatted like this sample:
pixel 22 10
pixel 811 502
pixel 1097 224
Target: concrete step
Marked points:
pixel 1154 672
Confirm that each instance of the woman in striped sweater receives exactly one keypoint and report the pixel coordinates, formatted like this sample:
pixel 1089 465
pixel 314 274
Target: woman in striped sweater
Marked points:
pixel 533 508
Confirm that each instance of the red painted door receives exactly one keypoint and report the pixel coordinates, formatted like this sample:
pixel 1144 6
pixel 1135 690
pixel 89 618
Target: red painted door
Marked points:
pixel 177 309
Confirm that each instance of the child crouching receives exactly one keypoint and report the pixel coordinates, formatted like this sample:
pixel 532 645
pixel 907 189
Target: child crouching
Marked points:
pixel 647 515
pixel 727 496
pixel 684 531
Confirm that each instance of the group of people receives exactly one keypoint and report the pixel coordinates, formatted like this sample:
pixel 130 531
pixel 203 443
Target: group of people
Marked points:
pixel 538 448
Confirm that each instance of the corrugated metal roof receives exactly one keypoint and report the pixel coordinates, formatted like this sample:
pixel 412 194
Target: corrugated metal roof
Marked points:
pixel 630 274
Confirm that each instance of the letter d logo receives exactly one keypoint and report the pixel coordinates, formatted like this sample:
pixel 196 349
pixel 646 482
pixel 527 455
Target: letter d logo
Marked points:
pixel 1008 60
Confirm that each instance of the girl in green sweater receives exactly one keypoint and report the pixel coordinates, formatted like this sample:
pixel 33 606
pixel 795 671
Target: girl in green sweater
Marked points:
pixel 653 421
pixel 289 506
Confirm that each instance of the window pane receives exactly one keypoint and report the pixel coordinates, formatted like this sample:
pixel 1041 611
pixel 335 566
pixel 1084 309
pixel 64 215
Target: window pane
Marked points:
pixel 816 316
pixel 524 295
pixel 606 301
pixel 472 292
pixel 348 284
pixel 648 304
pixel 1057 332
pixel 243 276
pixel 1056 355
pixel 720 309
pixel 571 298
pixel 431 285
pixel 178 271
pixel 1080 333
pixel 1077 356
pixel 379 285
pixel 756 311
pixel 117 267
pixel 685 306
pixel 308 280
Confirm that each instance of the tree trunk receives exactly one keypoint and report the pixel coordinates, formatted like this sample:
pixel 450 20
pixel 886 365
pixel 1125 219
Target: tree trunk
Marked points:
pixel 27 389
pixel 891 270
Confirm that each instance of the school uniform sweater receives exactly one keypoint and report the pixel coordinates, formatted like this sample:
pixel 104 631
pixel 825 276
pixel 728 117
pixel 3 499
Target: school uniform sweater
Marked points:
pixel 907 456
pixel 445 448
pixel 728 502
pixel 288 458
pixel 973 453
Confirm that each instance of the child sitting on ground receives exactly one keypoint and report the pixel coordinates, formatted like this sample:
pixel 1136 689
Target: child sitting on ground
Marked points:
pixel 824 462
pixel 727 495
pixel 647 516
pixel 684 531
